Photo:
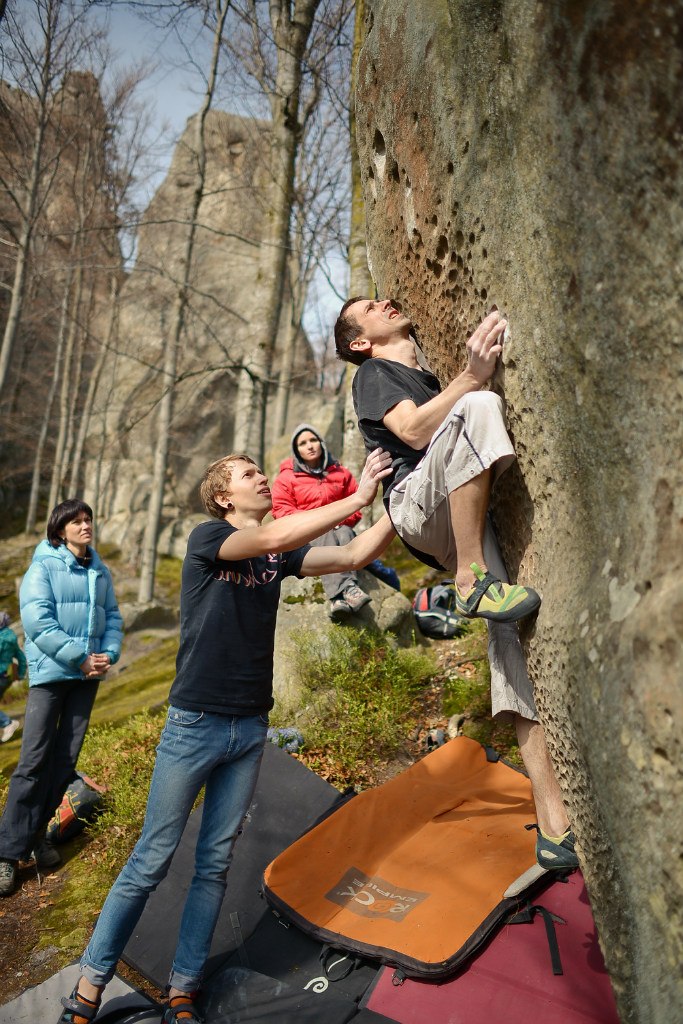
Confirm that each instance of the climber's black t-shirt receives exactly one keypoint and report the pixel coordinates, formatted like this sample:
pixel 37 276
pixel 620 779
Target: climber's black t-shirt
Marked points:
pixel 227 625
pixel 379 385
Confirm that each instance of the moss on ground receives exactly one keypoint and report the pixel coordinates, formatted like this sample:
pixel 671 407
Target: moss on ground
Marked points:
pixel 145 683
pixel 362 695
pixel 120 757
pixel 167 580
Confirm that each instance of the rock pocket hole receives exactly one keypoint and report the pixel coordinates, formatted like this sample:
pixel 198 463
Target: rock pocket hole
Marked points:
pixel 441 247
pixel 380 152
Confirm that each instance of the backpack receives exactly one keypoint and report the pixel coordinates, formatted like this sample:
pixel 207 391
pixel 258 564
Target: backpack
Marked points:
pixel 79 806
pixel 434 609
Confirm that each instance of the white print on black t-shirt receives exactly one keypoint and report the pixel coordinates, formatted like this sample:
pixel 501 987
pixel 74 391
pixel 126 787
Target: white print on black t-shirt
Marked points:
pixel 249 579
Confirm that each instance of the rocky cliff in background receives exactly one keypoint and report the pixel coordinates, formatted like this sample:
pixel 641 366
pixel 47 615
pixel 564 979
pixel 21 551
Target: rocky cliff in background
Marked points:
pixel 528 156
pixel 217 331
pixel 72 258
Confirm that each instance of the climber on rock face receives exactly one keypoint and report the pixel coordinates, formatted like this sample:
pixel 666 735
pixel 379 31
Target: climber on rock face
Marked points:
pixel 448 447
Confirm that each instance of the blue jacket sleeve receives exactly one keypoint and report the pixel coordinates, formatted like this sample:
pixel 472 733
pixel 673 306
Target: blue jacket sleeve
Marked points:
pixel 39 618
pixel 113 630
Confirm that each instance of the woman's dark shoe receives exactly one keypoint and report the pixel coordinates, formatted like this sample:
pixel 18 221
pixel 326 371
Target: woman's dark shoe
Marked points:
pixel 8 877
pixel 45 855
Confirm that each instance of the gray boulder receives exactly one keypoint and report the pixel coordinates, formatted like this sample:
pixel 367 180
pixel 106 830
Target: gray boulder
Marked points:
pixel 154 615
pixel 304 607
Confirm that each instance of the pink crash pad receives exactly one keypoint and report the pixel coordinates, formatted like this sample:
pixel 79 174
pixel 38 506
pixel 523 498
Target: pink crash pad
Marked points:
pixel 512 979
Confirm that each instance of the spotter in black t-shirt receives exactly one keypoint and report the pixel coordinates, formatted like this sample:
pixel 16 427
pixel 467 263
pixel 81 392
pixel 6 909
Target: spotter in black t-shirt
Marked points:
pixel 227 625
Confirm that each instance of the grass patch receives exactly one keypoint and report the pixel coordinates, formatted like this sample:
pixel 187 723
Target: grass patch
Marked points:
pixel 145 683
pixel 363 693
pixel 167 578
pixel 120 757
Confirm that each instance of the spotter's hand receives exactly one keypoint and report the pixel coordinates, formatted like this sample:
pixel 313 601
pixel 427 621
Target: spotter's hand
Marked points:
pixel 377 466
pixel 484 347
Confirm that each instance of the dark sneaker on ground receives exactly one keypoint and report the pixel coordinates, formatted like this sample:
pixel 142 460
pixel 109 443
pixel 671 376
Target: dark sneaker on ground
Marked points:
pixel 555 856
pixel 181 1010
pixel 355 597
pixel 339 610
pixel 46 857
pixel 8 731
pixel 490 598
pixel 8 877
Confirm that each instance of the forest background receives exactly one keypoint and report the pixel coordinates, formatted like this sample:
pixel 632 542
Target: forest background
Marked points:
pixel 175 239
pixel 166 288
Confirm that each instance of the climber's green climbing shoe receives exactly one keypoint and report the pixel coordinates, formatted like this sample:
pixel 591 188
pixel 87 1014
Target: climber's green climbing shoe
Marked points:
pixel 490 598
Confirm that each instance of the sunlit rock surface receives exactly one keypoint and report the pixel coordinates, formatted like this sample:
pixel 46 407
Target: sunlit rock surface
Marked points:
pixel 217 334
pixel 528 155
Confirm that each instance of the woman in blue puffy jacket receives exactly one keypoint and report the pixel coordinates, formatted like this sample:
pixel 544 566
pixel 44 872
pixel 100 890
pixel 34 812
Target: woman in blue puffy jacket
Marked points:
pixel 73 634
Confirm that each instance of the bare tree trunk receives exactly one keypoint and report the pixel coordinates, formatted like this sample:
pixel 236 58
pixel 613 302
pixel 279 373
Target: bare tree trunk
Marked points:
pixel 64 395
pixel 75 393
pixel 19 282
pixel 93 384
pixel 286 375
pixel 29 211
pixel 165 413
pixel 301 270
pixel 32 514
pixel 291 31
pixel 361 283
pixel 103 456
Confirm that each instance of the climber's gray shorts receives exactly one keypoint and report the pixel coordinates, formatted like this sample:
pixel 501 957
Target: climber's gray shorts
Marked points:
pixel 471 439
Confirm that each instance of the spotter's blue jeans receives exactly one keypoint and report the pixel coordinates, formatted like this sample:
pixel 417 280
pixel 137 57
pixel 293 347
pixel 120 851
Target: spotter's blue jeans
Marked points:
pixel 196 748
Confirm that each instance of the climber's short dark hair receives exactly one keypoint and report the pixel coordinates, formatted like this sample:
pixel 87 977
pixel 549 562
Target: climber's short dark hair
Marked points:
pixel 346 330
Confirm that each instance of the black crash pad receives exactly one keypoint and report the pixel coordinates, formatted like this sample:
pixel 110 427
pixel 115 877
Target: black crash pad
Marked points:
pixel 289 798
pixel 236 995
pixel 285 953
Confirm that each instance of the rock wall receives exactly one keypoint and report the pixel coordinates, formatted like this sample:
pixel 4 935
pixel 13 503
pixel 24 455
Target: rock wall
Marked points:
pixel 216 333
pixel 528 156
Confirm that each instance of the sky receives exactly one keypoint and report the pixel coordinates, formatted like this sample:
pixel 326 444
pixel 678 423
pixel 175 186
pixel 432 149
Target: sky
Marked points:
pixel 169 88
pixel 174 92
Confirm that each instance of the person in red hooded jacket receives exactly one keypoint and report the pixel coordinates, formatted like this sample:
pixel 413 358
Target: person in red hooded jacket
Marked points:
pixel 311 478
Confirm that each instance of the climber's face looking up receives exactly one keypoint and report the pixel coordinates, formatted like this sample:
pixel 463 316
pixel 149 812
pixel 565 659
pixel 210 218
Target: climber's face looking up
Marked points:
pixel 378 318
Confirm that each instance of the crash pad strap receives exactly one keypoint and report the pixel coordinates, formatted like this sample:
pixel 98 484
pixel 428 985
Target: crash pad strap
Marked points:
pixel 526 916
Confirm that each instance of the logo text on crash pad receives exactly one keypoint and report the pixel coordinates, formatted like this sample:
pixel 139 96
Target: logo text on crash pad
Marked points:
pixel 372 896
